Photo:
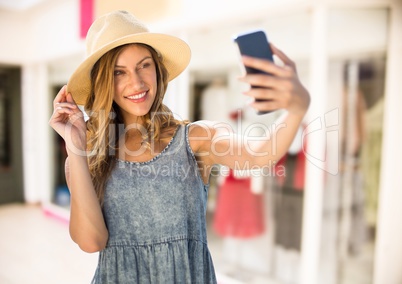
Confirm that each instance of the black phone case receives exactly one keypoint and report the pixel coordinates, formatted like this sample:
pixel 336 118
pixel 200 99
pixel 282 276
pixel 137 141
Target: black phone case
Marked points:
pixel 254 44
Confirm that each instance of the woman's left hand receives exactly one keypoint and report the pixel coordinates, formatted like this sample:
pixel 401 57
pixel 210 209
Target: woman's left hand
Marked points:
pixel 279 89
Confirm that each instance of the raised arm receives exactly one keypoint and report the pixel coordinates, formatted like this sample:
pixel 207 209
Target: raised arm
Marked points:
pixel 87 225
pixel 216 143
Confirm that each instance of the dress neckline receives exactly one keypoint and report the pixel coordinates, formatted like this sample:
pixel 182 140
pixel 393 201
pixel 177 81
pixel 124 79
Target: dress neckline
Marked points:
pixel 158 155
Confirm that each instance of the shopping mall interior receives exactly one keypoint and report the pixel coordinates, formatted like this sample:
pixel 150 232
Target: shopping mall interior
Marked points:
pixel 324 214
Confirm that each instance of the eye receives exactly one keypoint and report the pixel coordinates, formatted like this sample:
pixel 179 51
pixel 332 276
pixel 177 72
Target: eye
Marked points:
pixel 146 64
pixel 117 72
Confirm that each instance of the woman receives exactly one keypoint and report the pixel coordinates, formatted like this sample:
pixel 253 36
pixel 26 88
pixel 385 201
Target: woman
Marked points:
pixel 138 177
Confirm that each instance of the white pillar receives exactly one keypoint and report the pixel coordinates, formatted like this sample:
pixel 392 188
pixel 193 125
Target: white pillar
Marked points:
pixel 177 97
pixel 316 141
pixel 37 146
pixel 388 254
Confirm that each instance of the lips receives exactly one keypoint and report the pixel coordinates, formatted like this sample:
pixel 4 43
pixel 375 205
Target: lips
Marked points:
pixel 137 97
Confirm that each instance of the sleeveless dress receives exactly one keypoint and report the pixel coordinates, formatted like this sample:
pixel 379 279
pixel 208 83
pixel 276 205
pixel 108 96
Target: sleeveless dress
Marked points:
pixel 155 215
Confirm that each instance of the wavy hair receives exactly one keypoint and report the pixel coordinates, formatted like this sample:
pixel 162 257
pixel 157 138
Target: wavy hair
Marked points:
pixel 105 118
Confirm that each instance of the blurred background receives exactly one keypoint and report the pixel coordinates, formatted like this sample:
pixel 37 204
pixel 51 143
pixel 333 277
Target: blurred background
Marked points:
pixel 332 218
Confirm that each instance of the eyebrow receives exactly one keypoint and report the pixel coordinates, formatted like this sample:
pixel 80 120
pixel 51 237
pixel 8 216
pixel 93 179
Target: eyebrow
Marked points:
pixel 139 62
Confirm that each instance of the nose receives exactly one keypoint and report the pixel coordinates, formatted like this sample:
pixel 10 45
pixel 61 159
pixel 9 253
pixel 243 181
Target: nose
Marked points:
pixel 136 80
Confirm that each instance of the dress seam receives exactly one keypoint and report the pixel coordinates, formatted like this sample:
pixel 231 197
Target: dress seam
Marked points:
pixel 186 134
pixel 147 244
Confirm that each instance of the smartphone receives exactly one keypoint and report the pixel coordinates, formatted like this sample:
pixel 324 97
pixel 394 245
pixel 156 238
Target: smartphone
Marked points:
pixel 254 44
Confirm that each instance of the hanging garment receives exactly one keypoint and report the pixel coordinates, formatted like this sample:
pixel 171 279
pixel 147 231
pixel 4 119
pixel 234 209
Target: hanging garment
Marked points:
pixel 288 201
pixel 239 212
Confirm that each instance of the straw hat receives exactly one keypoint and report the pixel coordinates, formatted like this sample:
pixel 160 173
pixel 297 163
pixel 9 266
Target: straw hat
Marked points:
pixel 116 29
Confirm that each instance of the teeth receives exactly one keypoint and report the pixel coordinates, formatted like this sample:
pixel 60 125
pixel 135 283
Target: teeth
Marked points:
pixel 136 97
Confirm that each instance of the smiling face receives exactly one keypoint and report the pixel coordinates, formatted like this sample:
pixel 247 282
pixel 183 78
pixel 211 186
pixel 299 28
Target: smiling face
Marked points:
pixel 135 82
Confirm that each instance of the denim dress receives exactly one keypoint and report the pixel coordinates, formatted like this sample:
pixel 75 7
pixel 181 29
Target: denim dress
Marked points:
pixel 155 215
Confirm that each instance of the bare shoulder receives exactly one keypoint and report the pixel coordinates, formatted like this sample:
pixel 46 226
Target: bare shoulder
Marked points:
pixel 202 133
pixel 200 128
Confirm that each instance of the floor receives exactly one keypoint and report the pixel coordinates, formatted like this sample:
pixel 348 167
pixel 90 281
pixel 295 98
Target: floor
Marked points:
pixel 36 248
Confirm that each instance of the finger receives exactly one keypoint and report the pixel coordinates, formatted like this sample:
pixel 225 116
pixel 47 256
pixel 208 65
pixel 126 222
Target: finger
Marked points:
pixel 267 81
pixel 57 118
pixel 71 102
pixel 68 101
pixel 282 56
pixel 65 106
pixel 258 80
pixel 76 115
pixel 265 105
pixel 60 97
pixel 70 98
pixel 62 114
pixel 264 65
pixel 77 112
pixel 261 93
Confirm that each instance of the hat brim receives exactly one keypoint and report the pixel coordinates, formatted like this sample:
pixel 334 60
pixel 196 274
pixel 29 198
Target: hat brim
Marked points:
pixel 175 52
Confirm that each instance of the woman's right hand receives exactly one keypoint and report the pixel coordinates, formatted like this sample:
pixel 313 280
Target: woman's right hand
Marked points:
pixel 68 121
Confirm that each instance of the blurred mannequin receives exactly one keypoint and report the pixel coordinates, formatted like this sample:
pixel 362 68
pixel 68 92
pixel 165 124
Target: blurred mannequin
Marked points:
pixel 241 219
pixel 239 211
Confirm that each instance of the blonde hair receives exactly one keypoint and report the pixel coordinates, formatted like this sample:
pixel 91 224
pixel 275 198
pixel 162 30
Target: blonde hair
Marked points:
pixel 102 139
